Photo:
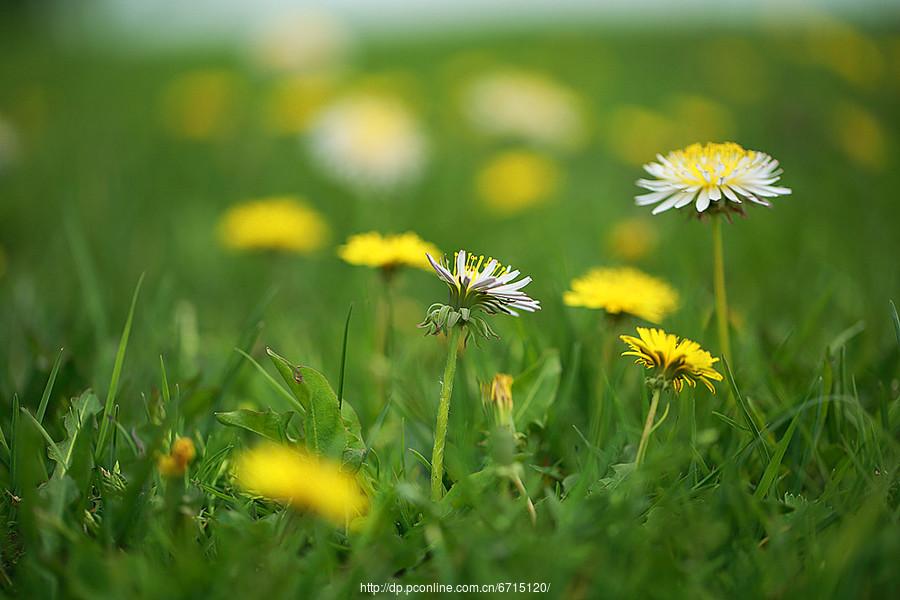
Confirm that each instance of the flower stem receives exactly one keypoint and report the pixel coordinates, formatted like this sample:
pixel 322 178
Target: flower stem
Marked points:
pixel 440 429
pixel 719 279
pixel 648 428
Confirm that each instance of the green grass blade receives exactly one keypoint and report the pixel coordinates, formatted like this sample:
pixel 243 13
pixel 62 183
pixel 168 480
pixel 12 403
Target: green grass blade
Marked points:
pixel 54 449
pixel 167 397
pixel 340 393
pixel 896 320
pixel 745 410
pixel 117 372
pixel 45 398
pixel 771 471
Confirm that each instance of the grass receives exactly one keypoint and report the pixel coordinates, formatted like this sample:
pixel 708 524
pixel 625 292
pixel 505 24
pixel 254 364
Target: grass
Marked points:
pixel 789 489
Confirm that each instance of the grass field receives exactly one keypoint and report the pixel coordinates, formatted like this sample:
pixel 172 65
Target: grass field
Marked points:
pixel 783 484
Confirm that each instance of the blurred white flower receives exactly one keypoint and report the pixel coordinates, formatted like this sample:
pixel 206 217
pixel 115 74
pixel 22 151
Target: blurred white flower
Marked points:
pixel 303 41
pixel 525 105
pixel 369 141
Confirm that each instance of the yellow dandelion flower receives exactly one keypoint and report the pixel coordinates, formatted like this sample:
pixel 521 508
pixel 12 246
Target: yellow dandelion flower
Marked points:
pixel 632 239
pixel 636 132
pixel 180 455
pixel 275 223
pixel 859 135
pixel 516 180
pixel 387 251
pixel 200 105
pixel 708 175
pixel 623 290
pixel 501 396
pixel 675 361
pixel 302 480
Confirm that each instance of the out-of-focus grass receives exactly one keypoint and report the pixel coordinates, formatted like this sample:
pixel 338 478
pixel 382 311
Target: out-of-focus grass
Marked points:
pixel 102 193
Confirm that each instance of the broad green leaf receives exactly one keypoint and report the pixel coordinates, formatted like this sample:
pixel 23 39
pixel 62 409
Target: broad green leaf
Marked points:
pixel 268 424
pixel 534 391
pixel 354 446
pixel 323 427
pixel 77 418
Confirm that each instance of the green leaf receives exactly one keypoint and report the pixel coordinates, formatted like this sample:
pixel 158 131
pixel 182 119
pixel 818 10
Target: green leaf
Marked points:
pixel 534 391
pixel 80 413
pixel 323 427
pixel 268 424
pixel 117 372
pixel 768 477
pixel 45 398
pixel 355 449
pixel 745 410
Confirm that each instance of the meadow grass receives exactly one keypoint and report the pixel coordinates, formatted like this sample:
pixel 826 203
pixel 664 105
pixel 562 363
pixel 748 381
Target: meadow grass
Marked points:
pixel 125 323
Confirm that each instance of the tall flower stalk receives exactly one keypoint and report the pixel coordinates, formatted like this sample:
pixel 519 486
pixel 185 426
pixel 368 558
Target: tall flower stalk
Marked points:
pixel 477 286
pixel 717 179
pixel 719 288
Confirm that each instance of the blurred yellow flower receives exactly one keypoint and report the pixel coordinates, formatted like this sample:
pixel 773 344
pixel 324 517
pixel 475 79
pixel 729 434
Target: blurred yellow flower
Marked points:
pixel 526 105
pixel 632 239
pixel 845 51
pixel 293 102
pixel 175 463
pixel 388 252
pixel 302 480
pixel 698 117
pixel 859 135
pixel 369 141
pixel 636 133
pixel 274 223
pixel 501 396
pixel 620 290
pixel 516 180
pixel 200 105
pixel 675 361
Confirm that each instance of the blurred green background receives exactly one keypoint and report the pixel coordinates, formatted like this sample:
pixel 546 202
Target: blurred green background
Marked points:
pixel 105 175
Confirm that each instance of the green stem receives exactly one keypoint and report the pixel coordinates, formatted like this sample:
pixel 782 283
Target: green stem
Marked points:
pixel 440 429
pixel 719 279
pixel 648 428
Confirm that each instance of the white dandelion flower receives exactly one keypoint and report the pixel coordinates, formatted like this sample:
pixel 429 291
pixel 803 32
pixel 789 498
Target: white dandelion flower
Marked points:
pixel 486 284
pixel 525 105
pixel 708 175
pixel 303 41
pixel 369 142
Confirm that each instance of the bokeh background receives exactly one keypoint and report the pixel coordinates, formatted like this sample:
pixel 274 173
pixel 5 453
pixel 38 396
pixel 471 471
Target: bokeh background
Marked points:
pixel 517 129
